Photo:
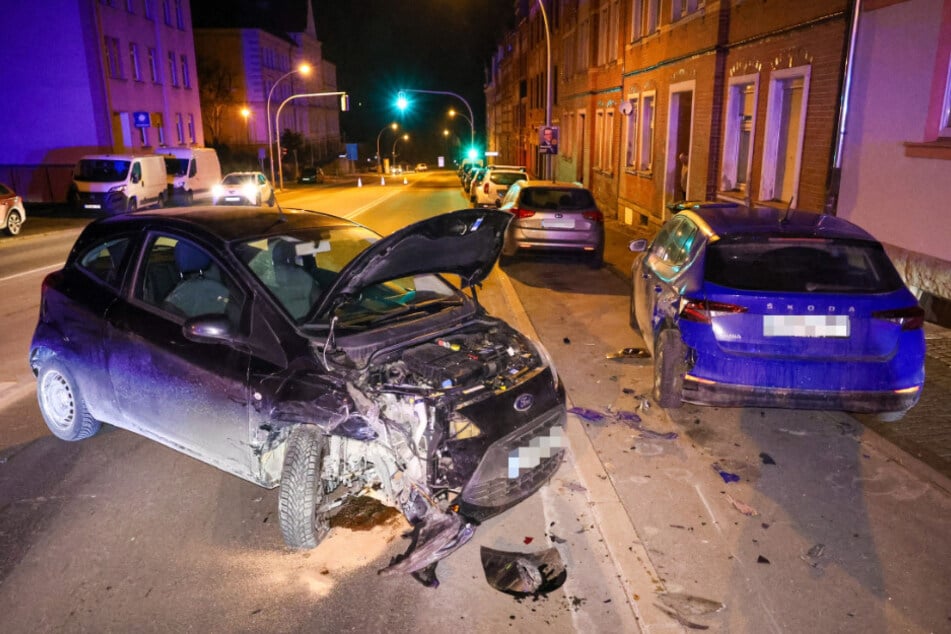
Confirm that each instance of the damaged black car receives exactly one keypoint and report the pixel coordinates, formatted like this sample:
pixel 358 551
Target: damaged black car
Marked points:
pixel 301 350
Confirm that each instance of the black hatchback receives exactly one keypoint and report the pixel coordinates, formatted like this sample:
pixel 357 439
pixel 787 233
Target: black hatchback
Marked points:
pixel 299 349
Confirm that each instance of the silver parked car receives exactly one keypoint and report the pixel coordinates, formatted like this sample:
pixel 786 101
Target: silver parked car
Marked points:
pixel 495 184
pixel 553 216
pixel 12 213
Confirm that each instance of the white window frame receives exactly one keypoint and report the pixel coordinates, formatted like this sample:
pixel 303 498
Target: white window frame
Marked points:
pixel 191 129
pixel 134 61
pixel 732 127
pixel 173 69
pixel 180 128
pixel 630 132
pixel 646 131
pixel 653 12
pixel 186 76
pixel 774 123
pixel 944 124
pixel 614 32
pixel 598 137
pixel 154 66
pixel 607 148
pixel 637 20
pixel 113 57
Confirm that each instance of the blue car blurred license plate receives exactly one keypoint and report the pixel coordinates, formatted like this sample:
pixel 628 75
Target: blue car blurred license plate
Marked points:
pixel 805 325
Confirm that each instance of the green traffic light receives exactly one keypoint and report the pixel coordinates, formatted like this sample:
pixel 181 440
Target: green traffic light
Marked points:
pixel 473 153
pixel 401 102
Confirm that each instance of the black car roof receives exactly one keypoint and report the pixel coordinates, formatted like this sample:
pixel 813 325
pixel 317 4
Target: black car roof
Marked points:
pixel 226 223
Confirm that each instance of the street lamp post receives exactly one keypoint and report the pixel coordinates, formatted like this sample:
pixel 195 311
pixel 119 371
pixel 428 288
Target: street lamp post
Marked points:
pixel 548 95
pixel 303 69
pixel 453 113
pixel 344 103
pixel 379 157
pixel 405 137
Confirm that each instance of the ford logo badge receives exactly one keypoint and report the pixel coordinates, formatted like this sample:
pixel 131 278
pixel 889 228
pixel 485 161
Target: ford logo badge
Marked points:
pixel 524 402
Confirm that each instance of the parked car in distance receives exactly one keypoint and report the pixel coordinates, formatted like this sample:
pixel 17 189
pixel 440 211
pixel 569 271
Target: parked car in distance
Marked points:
pixel 764 307
pixel 553 216
pixel 305 351
pixel 421 167
pixel 243 188
pixel 495 184
pixel 311 176
pixel 12 212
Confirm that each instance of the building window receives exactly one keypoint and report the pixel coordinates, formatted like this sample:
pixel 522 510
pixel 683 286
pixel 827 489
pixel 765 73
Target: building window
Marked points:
pixel 180 128
pixel 154 67
pixel 599 140
pixel 607 147
pixel 683 8
pixel 149 12
pixel 179 15
pixel 159 129
pixel 144 136
pixel 784 133
pixel 191 129
pixel 172 70
pixel 167 12
pixel 651 11
pixel 637 19
pixel 113 59
pixel 614 22
pixel 186 76
pixel 645 147
pixel 738 133
pixel 134 61
pixel 630 110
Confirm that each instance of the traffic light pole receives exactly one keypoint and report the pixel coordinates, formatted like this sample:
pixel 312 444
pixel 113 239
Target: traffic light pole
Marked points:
pixel 277 122
pixel 457 96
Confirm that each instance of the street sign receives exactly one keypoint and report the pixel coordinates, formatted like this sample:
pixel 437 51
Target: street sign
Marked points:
pixel 142 119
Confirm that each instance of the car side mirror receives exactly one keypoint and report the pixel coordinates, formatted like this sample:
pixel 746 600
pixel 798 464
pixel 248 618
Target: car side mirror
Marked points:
pixel 638 245
pixel 209 329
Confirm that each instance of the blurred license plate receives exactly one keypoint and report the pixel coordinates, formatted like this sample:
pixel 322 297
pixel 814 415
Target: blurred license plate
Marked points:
pixel 558 223
pixel 233 199
pixel 806 325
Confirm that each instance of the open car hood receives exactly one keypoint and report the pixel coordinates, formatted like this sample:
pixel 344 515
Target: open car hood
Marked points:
pixel 465 243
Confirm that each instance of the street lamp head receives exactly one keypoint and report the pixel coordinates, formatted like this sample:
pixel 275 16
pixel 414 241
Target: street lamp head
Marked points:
pixel 395 126
pixel 406 137
pixel 245 112
pixel 452 112
pixel 304 68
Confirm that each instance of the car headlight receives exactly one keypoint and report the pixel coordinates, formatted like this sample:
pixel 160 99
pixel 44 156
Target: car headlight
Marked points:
pixel 217 191
pixel 117 188
pixel 543 353
pixel 249 191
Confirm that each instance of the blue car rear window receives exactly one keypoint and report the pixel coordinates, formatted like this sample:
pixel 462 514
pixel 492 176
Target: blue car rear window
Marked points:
pixel 801 265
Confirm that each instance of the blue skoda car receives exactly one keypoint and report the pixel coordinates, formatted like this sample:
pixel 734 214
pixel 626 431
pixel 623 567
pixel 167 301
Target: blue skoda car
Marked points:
pixel 770 308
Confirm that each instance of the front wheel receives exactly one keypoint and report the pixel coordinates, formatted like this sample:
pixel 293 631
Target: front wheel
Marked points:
pixel 14 222
pixel 302 490
pixel 62 404
pixel 271 200
pixel 669 369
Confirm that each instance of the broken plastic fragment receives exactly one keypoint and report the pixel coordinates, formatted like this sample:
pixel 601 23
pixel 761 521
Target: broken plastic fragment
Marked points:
pixel 745 509
pixel 629 353
pixel 436 536
pixel 587 414
pixel 762 560
pixel 726 475
pixel 766 458
pixel 813 555
pixel 680 606
pixel 524 574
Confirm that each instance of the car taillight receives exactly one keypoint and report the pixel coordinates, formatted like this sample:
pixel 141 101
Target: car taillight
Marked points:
pixel 594 216
pixel 911 318
pixel 485 188
pixel 699 310
pixel 522 213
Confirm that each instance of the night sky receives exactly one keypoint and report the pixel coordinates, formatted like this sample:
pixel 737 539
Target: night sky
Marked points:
pixel 380 46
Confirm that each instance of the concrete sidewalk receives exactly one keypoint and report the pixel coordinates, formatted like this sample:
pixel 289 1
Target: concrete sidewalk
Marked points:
pixel 921 441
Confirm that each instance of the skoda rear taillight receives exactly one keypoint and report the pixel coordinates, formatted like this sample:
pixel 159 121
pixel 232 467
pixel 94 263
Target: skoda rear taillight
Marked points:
pixel 910 318
pixel 485 188
pixel 594 216
pixel 701 311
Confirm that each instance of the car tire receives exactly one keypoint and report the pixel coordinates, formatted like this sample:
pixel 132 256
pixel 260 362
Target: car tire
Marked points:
pixel 62 404
pixel 271 200
pixel 632 316
pixel 131 205
pixel 597 258
pixel 302 490
pixel 14 223
pixel 161 201
pixel 668 369
pixel 189 199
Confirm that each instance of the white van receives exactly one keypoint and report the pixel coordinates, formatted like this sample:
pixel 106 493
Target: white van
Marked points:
pixel 118 183
pixel 192 172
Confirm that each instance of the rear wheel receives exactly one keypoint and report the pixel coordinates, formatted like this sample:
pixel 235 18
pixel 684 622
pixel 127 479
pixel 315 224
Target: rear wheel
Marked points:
pixel 14 222
pixel 668 369
pixel 62 405
pixel 131 205
pixel 271 200
pixel 597 258
pixel 302 490
pixel 632 317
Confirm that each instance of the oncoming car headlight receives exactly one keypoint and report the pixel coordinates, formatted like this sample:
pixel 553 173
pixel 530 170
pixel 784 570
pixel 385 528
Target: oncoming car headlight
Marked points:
pixel 249 191
pixel 217 191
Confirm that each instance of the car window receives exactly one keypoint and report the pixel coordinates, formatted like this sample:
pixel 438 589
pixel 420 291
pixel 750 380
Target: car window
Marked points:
pixel 801 265
pixel 103 261
pixel 556 198
pixel 506 178
pixel 183 279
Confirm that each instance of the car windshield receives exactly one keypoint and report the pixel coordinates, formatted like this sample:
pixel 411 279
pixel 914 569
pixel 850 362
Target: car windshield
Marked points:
pixel 237 179
pixel 101 170
pixel 176 166
pixel 800 265
pixel 298 267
